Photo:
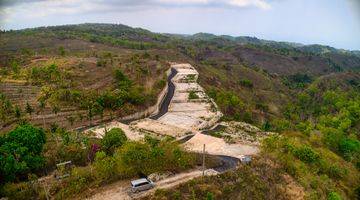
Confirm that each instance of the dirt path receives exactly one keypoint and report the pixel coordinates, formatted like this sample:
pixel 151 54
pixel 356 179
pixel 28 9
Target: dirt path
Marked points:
pixel 121 189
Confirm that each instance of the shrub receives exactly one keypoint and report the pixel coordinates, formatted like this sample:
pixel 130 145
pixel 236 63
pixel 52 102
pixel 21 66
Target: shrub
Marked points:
pixel 105 167
pixel 123 81
pixel 61 51
pixel 306 154
pixel 349 147
pixel 113 139
pixel 20 191
pixel 246 83
pixel 281 125
pixel 335 172
pixel 193 95
pixel 73 152
pixel 80 178
pixel 146 158
pixel 133 157
pixel 160 84
pixel 334 196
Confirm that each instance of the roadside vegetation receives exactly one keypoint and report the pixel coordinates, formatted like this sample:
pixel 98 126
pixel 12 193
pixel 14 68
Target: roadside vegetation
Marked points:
pixel 259 180
pixel 28 152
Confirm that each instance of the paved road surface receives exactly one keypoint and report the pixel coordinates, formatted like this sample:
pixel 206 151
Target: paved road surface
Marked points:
pixel 164 107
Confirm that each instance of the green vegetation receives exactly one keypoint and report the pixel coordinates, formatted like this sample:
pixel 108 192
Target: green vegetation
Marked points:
pixel 229 103
pixel 193 95
pixel 259 180
pixel 319 171
pixel 24 151
pixel 131 159
pixel 246 83
pixel 335 114
pixel 112 140
pixel 6 108
pixel 297 80
pixel 20 152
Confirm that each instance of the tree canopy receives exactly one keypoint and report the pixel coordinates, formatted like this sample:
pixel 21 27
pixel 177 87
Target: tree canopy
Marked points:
pixel 20 152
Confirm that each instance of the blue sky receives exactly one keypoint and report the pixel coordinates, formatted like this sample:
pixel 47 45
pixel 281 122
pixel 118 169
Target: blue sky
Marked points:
pixel 329 22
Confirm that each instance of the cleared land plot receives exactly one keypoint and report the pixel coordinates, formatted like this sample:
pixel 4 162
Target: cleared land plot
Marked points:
pixel 217 146
pixel 99 131
pixel 159 128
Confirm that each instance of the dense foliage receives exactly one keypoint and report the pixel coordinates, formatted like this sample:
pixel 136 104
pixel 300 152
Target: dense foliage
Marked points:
pixel 112 140
pixel 320 171
pixel 130 159
pixel 20 152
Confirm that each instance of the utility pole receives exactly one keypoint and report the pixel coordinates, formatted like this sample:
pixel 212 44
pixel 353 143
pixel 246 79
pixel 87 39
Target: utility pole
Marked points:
pixel 203 163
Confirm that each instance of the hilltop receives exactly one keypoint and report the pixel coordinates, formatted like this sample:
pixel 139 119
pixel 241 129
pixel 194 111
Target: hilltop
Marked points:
pixel 57 81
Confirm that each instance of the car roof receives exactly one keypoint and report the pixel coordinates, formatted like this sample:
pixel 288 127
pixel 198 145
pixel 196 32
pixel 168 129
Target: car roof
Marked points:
pixel 139 181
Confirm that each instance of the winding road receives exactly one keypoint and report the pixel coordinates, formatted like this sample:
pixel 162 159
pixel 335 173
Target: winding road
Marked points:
pixel 164 107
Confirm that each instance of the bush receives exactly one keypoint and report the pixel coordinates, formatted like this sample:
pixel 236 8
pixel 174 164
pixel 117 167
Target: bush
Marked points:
pixel 335 172
pixel 193 95
pixel 113 139
pixel 334 196
pixel 146 158
pixel 349 147
pixel 281 125
pixel 246 83
pixel 73 152
pixel 123 81
pixel 105 167
pixel 306 154
pixel 80 178
pixel 133 157
pixel 20 191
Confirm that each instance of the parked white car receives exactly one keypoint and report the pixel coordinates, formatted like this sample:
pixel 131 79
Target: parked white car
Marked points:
pixel 141 185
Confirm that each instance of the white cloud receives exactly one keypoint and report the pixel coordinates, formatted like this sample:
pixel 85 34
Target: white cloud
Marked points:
pixel 183 1
pixel 245 3
pixel 23 10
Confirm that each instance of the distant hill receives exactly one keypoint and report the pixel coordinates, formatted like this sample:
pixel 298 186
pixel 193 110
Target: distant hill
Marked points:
pixel 225 62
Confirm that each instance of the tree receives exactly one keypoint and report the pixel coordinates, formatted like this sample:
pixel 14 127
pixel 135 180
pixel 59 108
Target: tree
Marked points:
pixel 113 139
pixel 61 51
pixel 17 111
pixel 123 81
pixel 20 152
pixel 55 109
pixel 6 108
pixel 29 109
pixel 71 120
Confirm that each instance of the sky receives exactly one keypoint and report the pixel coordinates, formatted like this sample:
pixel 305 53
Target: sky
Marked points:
pixel 329 22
